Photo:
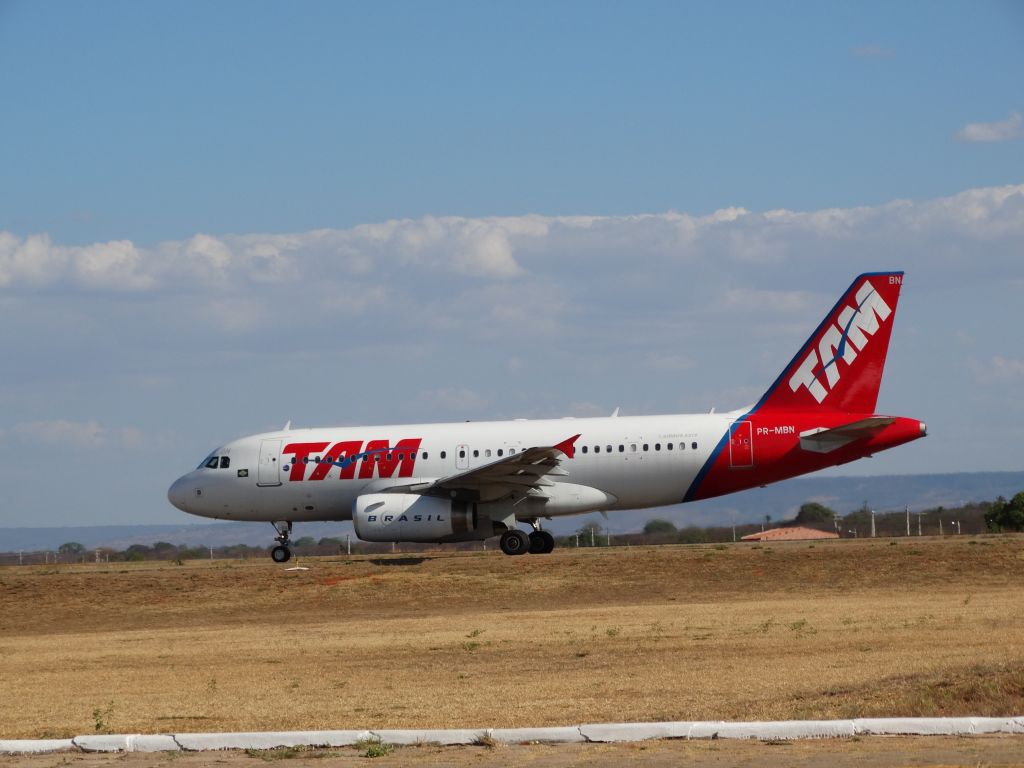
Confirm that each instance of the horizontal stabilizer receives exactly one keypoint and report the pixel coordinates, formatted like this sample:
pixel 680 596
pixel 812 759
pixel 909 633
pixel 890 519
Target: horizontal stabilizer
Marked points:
pixel 825 439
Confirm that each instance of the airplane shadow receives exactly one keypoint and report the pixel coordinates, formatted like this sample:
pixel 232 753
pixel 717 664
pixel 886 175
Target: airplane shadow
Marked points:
pixel 400 561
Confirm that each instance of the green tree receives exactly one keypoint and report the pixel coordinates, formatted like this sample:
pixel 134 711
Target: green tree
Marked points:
pixel 1006 515
pixel 591 530
pixel 658 527
pixel 306 542
pixel 71 548
pixel 813 512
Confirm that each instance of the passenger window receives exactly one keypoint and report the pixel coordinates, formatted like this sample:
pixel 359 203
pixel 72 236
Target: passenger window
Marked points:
pixel 622 448
pixel 657 446
pixel 584 449
pixel 476 454
pixel 632 447
pixel 597 449
pixel 424 455
pixel 669 446
pixel 500 452
pixel 213 462
pixel 444 454
pixel 389 457
pixel 647 447
pixel 608 448
pixel 225 462
pixel 462 454
pixel 694 446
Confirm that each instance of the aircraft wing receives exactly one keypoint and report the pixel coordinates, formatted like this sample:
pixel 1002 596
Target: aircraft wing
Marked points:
pixel 825 440
pixel 524 471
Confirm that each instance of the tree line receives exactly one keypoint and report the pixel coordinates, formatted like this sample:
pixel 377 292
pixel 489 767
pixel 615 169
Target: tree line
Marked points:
pixel 998 516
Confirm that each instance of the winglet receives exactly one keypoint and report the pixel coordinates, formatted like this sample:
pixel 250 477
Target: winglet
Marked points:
pixel 568 447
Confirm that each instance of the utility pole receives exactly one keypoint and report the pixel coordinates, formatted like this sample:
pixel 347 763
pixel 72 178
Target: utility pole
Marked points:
pixel 940 526
pixel 591 535
pixel 211 553
pixel 873 525
pixel 348 544
pixel 918 523
pixel 608 538
pixel 908 519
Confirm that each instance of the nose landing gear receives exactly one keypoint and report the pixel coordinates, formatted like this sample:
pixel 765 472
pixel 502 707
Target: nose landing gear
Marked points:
pixel 281 553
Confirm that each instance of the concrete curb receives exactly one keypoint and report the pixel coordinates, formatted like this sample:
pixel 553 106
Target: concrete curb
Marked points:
pixel 29 746
pixel 201 742
pixel 592 732
pixel 135 742
pixel 566 734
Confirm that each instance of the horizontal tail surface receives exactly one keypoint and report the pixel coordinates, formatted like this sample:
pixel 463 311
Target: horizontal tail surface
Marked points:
pixel 840 366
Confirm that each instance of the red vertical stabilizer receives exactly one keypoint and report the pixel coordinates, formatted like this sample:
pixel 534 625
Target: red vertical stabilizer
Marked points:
pixel 840 366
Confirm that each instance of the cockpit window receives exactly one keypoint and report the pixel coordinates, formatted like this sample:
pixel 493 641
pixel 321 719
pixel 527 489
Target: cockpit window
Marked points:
pixel 212 462
pixel 225 462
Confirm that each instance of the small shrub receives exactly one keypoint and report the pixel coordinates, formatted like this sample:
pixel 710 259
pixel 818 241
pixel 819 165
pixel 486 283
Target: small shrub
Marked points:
pixel 485 739
pixel 101 718
pixel 374 748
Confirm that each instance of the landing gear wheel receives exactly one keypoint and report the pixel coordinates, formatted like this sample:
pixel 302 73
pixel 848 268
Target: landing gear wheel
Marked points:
pixel 280 554
pixel 515 542
pixel 541 543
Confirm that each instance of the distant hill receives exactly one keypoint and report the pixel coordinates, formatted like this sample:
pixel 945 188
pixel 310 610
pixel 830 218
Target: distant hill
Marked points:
pixel 781 501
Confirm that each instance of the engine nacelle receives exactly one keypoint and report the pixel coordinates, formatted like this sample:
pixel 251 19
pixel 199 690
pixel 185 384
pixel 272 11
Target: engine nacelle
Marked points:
pixel 410 517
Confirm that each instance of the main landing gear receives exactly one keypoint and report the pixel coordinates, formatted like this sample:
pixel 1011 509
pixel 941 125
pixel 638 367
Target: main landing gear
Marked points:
pixel 281 553
pixel 538 542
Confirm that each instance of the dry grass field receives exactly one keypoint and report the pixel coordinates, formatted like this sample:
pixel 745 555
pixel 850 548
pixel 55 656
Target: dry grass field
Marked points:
pixel 787 630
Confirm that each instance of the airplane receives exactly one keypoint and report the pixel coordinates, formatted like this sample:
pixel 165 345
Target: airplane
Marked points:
pixel 470 481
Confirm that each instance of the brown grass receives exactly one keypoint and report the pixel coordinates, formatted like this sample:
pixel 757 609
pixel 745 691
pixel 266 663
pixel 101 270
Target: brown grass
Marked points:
pixel 925 627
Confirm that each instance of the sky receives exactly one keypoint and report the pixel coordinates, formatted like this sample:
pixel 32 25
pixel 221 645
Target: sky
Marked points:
pixel 219 217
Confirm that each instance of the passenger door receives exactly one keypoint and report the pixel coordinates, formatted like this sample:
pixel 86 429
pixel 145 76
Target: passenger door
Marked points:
pixel 268 472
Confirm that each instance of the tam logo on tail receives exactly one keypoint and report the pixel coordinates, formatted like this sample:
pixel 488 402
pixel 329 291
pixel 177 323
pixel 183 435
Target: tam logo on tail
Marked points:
pixel 839 368
pixel 855 328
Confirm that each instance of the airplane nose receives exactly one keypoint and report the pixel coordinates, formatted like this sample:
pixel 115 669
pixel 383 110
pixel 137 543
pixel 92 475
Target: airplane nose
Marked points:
pixel 177 494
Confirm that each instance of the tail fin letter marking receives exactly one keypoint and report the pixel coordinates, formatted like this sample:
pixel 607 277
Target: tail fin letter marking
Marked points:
pixel 858 325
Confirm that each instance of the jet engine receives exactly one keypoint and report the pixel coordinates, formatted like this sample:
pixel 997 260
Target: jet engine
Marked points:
pixel 410 517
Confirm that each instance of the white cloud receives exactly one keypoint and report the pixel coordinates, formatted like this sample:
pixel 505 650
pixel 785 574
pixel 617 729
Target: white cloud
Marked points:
pixel 1006 368
pixel 80 435
pixel 758 301
pixel 454 399
pixel 1003 130
pixel 452 253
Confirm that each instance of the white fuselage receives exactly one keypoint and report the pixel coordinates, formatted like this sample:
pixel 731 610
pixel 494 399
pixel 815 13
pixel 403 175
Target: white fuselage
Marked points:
pixel 640 461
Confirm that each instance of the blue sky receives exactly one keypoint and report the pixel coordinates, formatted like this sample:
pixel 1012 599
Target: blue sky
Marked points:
pixel 218 217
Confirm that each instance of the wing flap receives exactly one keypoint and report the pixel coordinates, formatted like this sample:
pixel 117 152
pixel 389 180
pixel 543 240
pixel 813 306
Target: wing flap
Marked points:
pixel 527 470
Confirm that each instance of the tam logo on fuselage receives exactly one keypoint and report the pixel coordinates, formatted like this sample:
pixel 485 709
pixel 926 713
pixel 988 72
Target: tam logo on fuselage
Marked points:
pixel 379 458
pixel 856 326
